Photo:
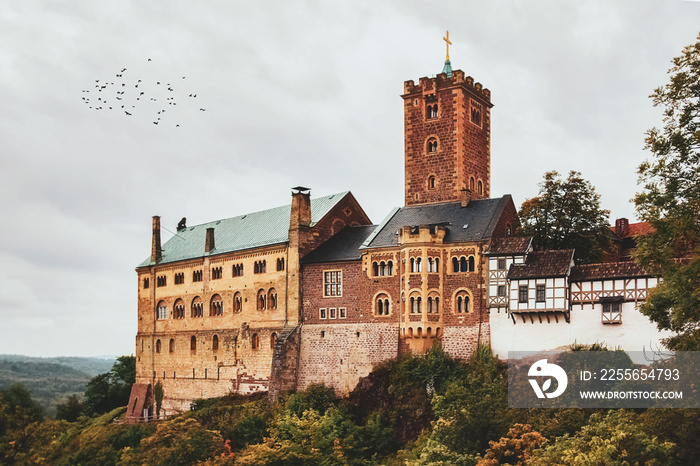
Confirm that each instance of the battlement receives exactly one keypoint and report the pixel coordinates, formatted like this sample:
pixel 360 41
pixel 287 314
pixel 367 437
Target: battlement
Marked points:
pixel 441 81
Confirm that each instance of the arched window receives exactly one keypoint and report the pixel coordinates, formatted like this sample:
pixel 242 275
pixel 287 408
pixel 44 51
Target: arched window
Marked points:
pixel 216 306
pixel 215 343
pixel 162 310
pixel 431 182
pixel 197 308
pixel 436 267
pixel 237 302
pixel 419 264
pixel 262 300
pixel 382 268
pixel 463 264
pixel 157 346
pixel 280 264
pixel 254 341
pixel 471 184
pixel 272 298
pixel 382 304
pixel 193 343
pixel 413 264
pixel 471 263
pixel 430 305
pixel 273 340
pixel 171 346
pixel 376 269
pixel 462 302
pixel 430 264
pixel 390 267
pixel 432 145
pixel 455 264
pixel 480 187
pixel 179 309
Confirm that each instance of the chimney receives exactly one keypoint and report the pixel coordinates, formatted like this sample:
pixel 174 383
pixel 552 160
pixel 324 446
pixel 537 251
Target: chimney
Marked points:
pixel 466 197
pixel 156 250
pixel 622 227
pixel 209 242
pixel 301 208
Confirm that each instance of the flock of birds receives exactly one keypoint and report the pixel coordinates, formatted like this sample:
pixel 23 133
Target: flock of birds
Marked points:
pixel 135 96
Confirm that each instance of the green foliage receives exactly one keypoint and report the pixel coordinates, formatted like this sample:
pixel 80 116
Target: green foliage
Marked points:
pixel 612 439
pixel 670 202
pixel 158 395
pixel 110 390
pixel 680 426
pixel 316 397
pixel 567 215
pixel 473 408
pixel 515 448
pixel 179 441
pixel 70 409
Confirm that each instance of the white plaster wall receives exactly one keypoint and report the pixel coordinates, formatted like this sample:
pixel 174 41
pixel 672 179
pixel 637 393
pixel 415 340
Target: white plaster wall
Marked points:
pixel 636 333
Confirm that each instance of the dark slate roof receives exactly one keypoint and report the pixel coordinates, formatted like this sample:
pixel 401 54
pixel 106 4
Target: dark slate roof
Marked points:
pixel 607 270
pixel 510 245
pixel 344 246
pixel 543 264
pixel 253 230
pixel 475 222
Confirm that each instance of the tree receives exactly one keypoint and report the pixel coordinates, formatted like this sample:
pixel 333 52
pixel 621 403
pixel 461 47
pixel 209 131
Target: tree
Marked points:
pixel 567 215
pixel 670 202
pixel 158 395
pixel 70 409
pixel 612 439
pixel 111 390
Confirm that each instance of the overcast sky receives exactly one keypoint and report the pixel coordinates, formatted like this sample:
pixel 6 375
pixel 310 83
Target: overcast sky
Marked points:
pixel 294 93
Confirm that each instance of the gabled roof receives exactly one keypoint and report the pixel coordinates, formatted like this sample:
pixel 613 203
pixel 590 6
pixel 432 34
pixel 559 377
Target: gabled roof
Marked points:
pixel 509 246
pixel 475 222
pixel 253 230
pixel 345 246
pixel 543 264
pixel 607 270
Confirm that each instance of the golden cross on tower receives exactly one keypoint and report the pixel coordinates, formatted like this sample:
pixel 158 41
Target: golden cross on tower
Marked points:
pixel 447 44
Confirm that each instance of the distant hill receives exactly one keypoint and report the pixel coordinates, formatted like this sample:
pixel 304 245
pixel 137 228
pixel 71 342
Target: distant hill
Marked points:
pixel 50 380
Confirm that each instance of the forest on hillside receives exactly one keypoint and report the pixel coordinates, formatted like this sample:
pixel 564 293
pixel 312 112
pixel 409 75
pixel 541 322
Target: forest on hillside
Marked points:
pixel 418 410
pixel 50 380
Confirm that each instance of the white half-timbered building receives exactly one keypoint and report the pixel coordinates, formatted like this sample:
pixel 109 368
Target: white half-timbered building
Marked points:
pixel 502 253
pixel 552 303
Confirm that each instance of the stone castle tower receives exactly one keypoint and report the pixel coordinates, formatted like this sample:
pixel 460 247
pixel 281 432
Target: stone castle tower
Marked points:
pixel 447 122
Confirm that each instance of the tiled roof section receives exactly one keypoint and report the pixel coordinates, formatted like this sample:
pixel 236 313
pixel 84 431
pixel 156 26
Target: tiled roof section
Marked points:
pixel 626 269
pixel 253 230
pixel 543 264
pixel 509 245
pixel 345 246
pixel 641 228
pixel 475 222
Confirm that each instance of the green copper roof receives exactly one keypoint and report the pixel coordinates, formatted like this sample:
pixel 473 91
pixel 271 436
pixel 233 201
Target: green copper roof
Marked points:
pixel 447 69
pixel 253 230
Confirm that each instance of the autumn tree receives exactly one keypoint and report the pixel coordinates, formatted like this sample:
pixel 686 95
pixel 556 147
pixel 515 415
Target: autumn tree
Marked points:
pixel 670 202
pixel 567 215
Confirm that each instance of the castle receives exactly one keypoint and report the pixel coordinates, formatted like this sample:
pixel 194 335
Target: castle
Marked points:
pixel 312 292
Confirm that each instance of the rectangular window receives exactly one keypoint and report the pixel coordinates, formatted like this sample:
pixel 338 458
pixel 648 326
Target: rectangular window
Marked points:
pixel 322 313
pixel 612 313
pixel 197 276
pixel 162 312
pixel 343 313
pixel 332 283
pixel 179 278
pixel 332 313
pixel 539 293
pixel 146 283
pixel 501 264
pixel 522 294
pixel 162 281
pixel 501 290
